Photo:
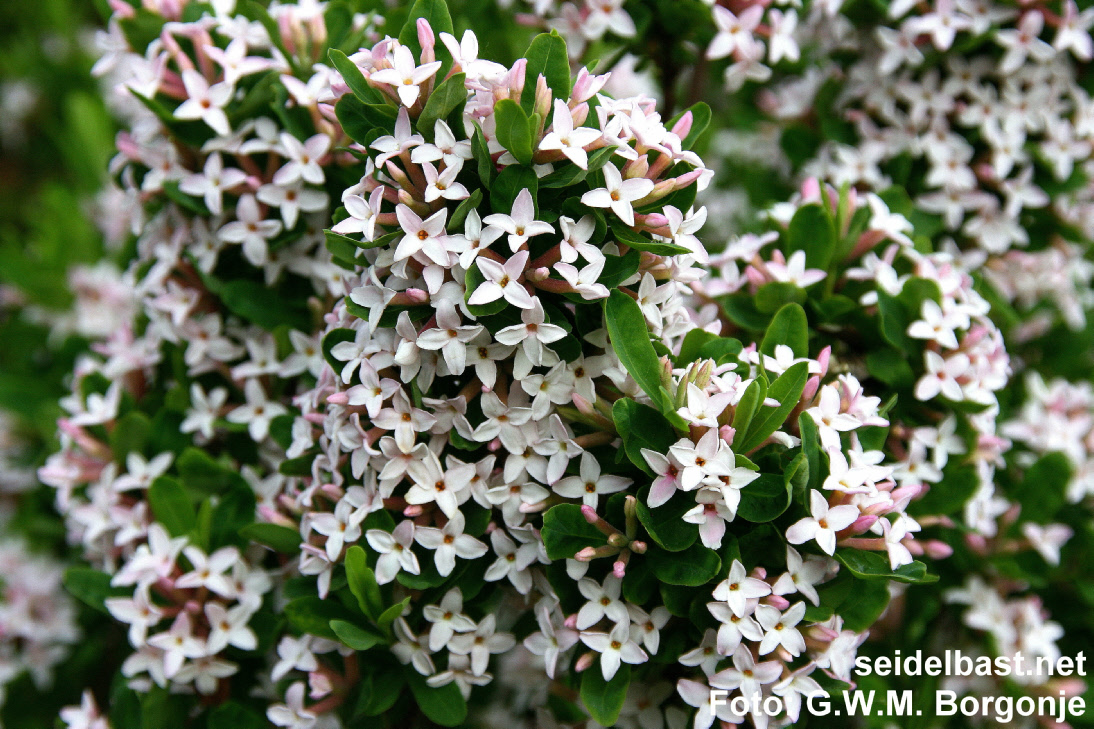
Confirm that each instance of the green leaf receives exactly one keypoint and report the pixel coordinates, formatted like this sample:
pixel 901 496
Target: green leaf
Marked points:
pixel 444 99
pixel 565 532
pixel 547 57
pixel 510 181
pixel 1042 492
pixel 631 340
pixel 362 582
pixel 875 566
pixel 130 435
pixel 514 130
pixel 787 389
pixel 483 161
pixel 807 429
pixel 618 269
pixel 774 295
pixel 92 587
pixel 171 506
pixel 313 616
pixel 693 343
pixel 640 426
pixel 764 499
pixel 864 604
pixel 354 636
pixel 790 327
pixel 747 407
pixel 891 367
pixel 692 567
pixel 353 77
pixel 444 705
pixel 639 242
pixel 466 206
pixel 200 473
pixel 391 614
pixel 604 699
pixel 279 538
pixel 812 230
pixel 233 715
pixel 665 523
pixel 379 691
pixel 359 119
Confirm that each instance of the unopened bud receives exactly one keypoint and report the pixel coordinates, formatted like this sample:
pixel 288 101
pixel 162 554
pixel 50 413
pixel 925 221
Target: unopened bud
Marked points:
pixel 427 41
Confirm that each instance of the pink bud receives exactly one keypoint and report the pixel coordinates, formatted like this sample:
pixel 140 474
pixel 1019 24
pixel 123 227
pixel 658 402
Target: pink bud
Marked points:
pixel 413 511
pixel 863 523
pixel 590 514
pixel 338 398
pixel 570 621
pixel 639 547
pixel 727 433
pixel 619 569
pixel 427 40
pixel 584 661
pixel 588 554
pixel 811 387
pixel 810 190
pixel 823 357
pixel 777 601
pixel 683 125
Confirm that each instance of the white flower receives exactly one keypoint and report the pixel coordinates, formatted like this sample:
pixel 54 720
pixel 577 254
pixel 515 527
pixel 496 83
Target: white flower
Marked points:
pixel 503 281
pixel 212 182
pixel 480 644
pixel 178 644
pixel 566 139
pixel 521 224
pixel 512 561
pixel 801 576
pixel 447 618
pixel 303 159
pixel 258 412
pixel 406 76
pixel 618 194
pixel 615 648
pixel 603 602
pixel 395 552
pixel 532 333
pixel 823 524
pixel 362 215
pixel 210 571
pixel 737 589
pixel 205 102
pixel 746 674
pixel 250 230
pixel 427 236
pixel 779 628
pixel 340 528
pixel 450 336
pixel 292 713
pixel 449 543
pixel 229 627
pixel 550 642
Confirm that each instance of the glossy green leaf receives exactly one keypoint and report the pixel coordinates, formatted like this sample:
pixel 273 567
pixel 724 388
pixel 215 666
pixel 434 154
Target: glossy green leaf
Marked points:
pixel 604 699
pixel 764 499
pixel 513 129
pixel 171 506
pixel 547 57
pixel 631 339
pixel 279 538
pixel 691 567
pixel 790 327
pixel 565 532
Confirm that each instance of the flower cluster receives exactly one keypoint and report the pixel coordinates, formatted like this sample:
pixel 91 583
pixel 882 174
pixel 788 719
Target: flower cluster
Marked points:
pixel 422 385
